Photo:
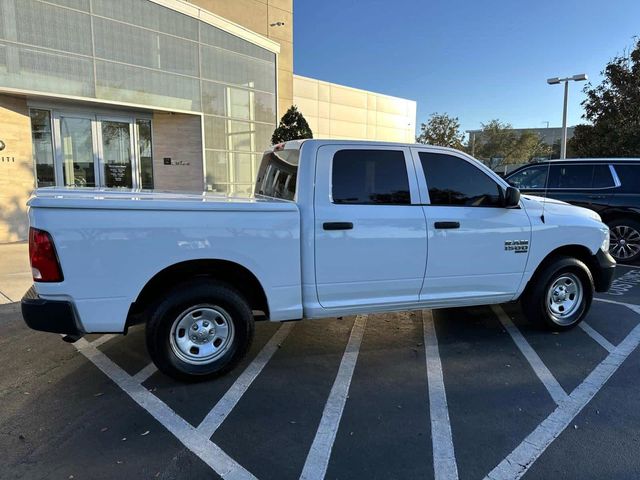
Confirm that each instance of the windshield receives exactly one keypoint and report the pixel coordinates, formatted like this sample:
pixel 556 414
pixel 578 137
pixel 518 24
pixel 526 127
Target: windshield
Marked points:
pixel 277 174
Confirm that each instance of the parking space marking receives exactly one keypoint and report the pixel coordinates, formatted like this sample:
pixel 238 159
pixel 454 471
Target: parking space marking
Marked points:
pixel 516 464
pixel 635 308
pixel 315 466
pixel 145 373
pixel 604 343
pixel 103 339
pixel 206 450
pixel 544 374
pixel 445 466
pixel 223 408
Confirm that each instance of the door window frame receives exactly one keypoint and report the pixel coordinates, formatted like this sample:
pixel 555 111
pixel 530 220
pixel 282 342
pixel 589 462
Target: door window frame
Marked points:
pixel 96 116
pixel 422 178
pixel 414 189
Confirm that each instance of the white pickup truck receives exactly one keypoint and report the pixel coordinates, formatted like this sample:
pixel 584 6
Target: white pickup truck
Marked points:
pixel 334 228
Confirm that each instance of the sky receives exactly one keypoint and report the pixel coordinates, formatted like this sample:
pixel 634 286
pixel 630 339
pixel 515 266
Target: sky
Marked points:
pixel 476 60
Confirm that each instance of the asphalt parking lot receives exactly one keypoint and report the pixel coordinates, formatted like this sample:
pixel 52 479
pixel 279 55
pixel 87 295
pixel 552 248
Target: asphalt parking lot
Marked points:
pixel 459 393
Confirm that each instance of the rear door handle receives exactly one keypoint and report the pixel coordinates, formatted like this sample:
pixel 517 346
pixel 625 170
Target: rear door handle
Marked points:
pixel 337 226
pixel 595 197
pixel 446 225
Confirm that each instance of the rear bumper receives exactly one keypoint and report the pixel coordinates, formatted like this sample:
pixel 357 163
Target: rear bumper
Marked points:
pixel 605 267
pixel 56 316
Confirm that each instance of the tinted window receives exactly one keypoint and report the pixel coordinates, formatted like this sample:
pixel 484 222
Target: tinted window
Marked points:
pixel 629 176
pixel 571 176
pixel 370 177
pixel 602 177
pixel 453 181
pixel 278 173
pixel 532 177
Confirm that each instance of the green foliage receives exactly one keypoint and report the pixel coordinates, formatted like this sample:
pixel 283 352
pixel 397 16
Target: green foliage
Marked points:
pixel 498 144
pixel 613 108
pixel 441 130
pixel 293 126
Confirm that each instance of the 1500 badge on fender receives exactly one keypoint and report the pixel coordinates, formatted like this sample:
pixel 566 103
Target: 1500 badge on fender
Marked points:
pixel 518 246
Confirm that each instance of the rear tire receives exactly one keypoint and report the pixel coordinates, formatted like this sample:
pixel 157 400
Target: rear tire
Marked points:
pixel 624 240
pixel 201 330
pixel 559 295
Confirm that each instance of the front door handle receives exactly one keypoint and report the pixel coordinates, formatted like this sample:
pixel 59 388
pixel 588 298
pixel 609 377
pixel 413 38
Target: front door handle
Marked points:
pixel 446 225
pixel 337 226
pixel 597 197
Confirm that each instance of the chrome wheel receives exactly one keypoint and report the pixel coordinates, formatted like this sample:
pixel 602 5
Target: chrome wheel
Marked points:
pixel 625 242
pixel 202 334
pixel 564 298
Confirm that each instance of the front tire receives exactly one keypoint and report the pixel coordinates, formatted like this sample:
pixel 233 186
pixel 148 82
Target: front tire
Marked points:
pixel 559 295
pixel 201 330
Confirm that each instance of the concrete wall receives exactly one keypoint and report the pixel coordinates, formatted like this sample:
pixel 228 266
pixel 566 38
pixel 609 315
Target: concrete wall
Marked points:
pixel 16 168
pixel 337 111
pixel 178 137
pixel 258 15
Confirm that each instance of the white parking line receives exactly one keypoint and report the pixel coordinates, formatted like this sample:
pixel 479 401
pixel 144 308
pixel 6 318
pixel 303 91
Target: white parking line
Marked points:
pixel 631 306
pixel 145 373
pixel 516 464
pixel 315 467
pixel 444 459
pixel 604 343
pixel 103 339
pixel 540 369
pixel 207 451
pixel 223 408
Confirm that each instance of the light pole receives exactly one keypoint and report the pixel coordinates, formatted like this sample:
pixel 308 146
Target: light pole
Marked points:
pixel 581 77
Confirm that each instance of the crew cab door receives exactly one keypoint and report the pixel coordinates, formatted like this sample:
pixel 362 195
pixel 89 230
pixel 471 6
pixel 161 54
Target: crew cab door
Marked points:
pixel 370 231
pixel 477 248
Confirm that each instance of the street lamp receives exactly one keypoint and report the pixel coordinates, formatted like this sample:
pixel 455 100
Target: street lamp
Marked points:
pixel 581 77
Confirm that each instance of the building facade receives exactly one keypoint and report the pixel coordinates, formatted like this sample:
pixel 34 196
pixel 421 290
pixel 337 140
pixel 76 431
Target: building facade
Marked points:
pixel 150 94
pixel 337 111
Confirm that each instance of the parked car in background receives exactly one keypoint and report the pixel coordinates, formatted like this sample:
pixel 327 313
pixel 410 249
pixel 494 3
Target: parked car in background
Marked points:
pixel 610 187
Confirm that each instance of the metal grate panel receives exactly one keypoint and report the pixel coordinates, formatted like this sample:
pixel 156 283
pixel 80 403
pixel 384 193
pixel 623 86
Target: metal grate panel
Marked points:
pixel 146 87
pixel 54 27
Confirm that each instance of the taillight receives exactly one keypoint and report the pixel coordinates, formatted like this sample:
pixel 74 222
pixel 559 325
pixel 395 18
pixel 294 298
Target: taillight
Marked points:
pixel 44 260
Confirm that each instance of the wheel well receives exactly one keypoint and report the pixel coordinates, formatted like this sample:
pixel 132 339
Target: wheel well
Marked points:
pixel 609 216
pixel 579 252
pixel 228 272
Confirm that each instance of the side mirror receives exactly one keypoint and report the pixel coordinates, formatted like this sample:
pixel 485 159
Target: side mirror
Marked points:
pixel 511 197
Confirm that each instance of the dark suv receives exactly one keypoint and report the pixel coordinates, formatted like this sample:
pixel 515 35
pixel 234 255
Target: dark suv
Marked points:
pixel 610 187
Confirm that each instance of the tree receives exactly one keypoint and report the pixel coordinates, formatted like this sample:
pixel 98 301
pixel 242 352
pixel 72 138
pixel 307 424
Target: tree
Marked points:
pixel 293 126
pixel 441 130
pixel 613 108
pixel 499 144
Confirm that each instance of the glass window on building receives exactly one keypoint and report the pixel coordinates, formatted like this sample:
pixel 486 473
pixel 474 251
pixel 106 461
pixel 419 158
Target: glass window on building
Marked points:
pixel 146 159
pixel 147 55
pixel 42 148
pixel 85 149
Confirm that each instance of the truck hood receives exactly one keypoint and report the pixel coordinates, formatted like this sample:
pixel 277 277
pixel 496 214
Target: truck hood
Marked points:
pixel 535 206
pixel 136 199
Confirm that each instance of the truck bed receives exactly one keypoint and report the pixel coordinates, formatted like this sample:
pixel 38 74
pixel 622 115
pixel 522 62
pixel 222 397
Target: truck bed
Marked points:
pixel 117 241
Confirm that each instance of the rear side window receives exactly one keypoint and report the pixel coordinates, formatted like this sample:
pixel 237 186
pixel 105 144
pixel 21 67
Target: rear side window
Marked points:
pixel 278 173
pixel 570 176
pixel 370 177
pixel 629 176
pixel 602 177
pixel 453 181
